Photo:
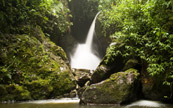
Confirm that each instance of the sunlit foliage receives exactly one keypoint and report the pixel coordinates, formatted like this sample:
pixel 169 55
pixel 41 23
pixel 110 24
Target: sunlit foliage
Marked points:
pixel 145 27
pixel 15 14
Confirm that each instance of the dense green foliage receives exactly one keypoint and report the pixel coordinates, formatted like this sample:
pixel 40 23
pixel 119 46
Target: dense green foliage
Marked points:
pixel 49 14
pixel 145 30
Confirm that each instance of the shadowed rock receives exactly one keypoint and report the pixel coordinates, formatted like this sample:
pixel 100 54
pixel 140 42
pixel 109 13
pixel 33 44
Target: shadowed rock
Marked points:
pixel 81 76
pixel 119 88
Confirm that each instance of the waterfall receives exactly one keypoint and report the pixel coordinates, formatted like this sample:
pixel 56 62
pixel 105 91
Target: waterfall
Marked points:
pixel 91 32
pixel 83 58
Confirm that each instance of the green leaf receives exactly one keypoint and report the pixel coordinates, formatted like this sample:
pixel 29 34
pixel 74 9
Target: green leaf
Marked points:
pixel 9 76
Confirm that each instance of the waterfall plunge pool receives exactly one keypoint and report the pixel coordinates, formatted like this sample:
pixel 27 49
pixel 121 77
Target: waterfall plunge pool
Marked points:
pixel 74 103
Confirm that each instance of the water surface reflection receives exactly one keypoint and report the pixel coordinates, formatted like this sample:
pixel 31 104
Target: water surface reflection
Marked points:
pixel 72 104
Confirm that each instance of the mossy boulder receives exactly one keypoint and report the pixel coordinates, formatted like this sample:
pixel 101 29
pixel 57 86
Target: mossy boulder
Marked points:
pixel 119 88
pixel 39 89
pixel 62 83
pixel 67 42
pixel 35 66
pixel 14 92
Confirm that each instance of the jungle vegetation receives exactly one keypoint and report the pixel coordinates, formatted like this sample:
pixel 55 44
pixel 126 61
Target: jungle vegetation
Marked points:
pixel 144 28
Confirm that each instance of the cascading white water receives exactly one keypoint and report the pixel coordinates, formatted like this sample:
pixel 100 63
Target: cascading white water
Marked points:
pixel 55 101
pixel 83 58
pixel 146 104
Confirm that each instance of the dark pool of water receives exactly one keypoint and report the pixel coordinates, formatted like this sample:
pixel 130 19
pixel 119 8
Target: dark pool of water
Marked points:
pixel 138 104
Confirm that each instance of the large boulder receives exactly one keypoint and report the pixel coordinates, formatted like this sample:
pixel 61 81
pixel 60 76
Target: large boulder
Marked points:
pixel 33 67
pixel 121 87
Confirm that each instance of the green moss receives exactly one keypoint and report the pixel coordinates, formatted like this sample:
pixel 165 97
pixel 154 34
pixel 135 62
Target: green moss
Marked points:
pixel 62 84
pixel 56 50
pixel 39 89
pixel 134 71
pixel 34 63
pixel 131 63
pixel 16 92
pixel 115 90
pixel 131 70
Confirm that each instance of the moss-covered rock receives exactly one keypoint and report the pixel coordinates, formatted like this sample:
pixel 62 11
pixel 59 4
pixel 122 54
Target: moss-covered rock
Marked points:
pixel 34 65
pixel 110 64
pixel 39 89
pixel 14 92
pixel 119 88
pixel 62 83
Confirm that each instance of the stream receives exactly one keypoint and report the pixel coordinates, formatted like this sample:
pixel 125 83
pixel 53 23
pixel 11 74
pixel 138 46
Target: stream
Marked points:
pixel 73 103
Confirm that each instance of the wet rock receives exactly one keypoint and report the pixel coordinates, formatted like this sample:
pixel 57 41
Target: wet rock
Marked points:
pixel 81 76
pixel 73 94
pixel 119 88
pixel 80 92
pixel 153 87
pixel 102 72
